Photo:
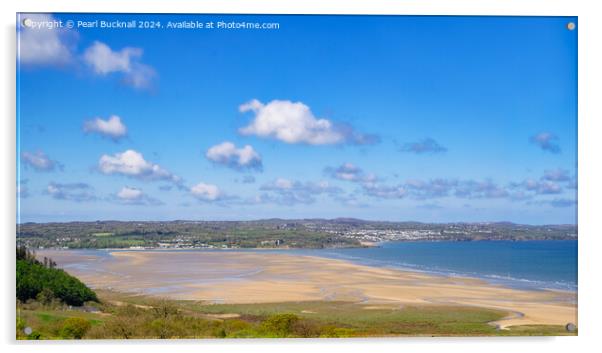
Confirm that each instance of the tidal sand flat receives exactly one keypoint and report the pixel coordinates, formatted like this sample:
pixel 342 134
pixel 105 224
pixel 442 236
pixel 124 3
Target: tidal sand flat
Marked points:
pixel 256 277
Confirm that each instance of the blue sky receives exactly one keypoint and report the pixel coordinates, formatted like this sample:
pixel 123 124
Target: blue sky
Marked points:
pixel 432 119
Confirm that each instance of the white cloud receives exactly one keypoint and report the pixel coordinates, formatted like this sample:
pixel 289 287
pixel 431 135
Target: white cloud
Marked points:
pixel 43 45
pixel 294 122
pixel 129 193
pixel 48 44
pixel 227 154
pixel 112 127
pixel 132 164
pixel 103 61
pixel 134 196
pixel 39 161
pixel 206 192
pixel 289 192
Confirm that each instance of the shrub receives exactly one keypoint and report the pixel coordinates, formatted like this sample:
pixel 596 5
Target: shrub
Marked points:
pixel 35 335
pixel 246 333
pixel 127 322
pixel 45 296
pixel 219 332
pixel 335 332
pixel 279 325
pixel 164 309
pixel 235 325
pixel 75 327
pixel 305 328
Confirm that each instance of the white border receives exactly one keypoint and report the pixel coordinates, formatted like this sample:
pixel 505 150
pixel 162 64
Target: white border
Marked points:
pixel 590 95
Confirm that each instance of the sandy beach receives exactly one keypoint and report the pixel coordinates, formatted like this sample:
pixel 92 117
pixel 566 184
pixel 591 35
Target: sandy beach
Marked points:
pixel 254 277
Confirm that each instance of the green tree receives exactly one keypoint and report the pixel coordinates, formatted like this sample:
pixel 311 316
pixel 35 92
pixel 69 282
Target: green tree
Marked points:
pixel 45 296
pixel 34 279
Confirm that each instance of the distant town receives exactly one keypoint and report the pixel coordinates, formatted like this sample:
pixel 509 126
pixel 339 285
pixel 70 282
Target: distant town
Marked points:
pixel 271 233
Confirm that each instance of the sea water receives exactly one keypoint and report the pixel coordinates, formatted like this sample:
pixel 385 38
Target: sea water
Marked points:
pixel 518 264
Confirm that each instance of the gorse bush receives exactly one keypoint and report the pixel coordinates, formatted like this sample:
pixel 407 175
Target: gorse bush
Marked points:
pixel 279 325
pixel 75 327
pixel 162 320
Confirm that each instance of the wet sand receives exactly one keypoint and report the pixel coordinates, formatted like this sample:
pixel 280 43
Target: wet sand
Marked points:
pixel 255 277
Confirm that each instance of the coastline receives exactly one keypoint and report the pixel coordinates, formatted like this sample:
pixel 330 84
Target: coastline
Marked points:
pixel 504 273
pixel 250 277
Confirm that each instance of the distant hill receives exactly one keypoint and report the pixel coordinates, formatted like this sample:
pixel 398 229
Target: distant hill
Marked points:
pixel 272 233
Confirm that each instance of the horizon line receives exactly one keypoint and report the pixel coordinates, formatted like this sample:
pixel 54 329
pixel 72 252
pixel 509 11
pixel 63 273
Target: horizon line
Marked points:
pixel 300 219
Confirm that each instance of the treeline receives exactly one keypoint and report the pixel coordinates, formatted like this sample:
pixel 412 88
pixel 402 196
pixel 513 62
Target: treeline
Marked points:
pixel 42 281
pixel 174 234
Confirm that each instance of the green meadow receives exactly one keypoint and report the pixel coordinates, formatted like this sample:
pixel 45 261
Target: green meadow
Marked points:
pixel 129 316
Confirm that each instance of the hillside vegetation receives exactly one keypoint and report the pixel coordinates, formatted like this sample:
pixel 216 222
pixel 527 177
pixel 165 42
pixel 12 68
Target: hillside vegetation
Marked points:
pixel 44 282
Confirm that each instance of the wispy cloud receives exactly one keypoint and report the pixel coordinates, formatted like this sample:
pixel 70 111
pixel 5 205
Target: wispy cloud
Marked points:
pixel 437 188
pixel 563 202
pixel 384 191
pixel 22 189
pixel 558 174
pixel 427 145
pixel 77 192
pixel 415 188
pixel 572 184
pixel 480 189
pixel 540 187
pixel 428 189
pixel 469 189
pixel 294 122
pixel 289 192
pixel 547 142
pixel 556 202
pixel 39 161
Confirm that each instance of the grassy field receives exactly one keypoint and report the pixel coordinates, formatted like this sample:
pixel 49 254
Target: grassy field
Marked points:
pixel 133 316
